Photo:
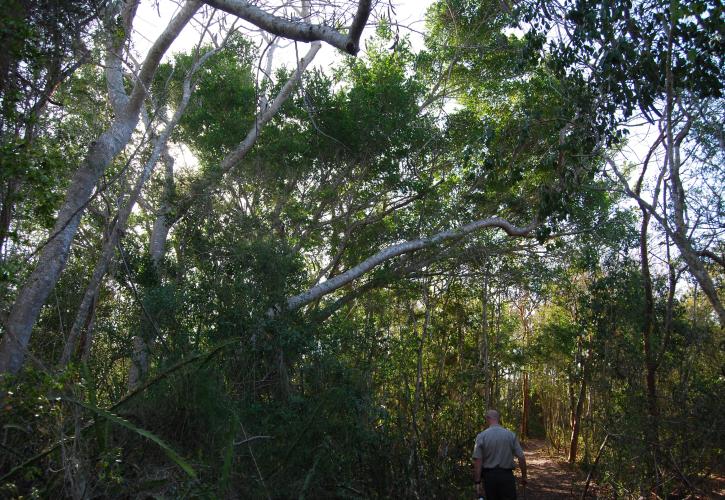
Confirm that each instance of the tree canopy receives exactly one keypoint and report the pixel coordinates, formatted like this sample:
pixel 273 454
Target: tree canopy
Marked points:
pixel 226 276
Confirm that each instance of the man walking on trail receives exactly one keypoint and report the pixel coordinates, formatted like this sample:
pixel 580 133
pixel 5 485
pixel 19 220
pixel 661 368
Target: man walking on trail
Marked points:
pixel 493 460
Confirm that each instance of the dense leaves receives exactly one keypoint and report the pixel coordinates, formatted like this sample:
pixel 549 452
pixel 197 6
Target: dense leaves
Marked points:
pixel 625 50
pixel 190 378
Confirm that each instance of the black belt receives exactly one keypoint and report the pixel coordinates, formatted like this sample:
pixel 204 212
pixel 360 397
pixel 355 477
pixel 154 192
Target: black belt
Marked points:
pixel 488 469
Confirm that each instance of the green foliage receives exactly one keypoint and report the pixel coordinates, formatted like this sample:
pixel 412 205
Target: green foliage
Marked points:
pixel 40 166
pixel 522 143
pixel 141 432
pixel 629 48
pixel 36 47
pixel 223 107
pixel 382 398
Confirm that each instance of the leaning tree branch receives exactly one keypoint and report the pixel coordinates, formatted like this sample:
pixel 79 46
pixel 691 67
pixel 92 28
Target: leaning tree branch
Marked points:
pixel 390 252
pixel 405 268
pixel 298 30
pixel 156 52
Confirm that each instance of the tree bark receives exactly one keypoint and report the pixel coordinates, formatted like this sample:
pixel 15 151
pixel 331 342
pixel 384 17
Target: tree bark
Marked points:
pixel 484 343
pixel 414 459
pixel 522 306
pixel 590 474
pixel 109 247
pixel 648 331
pixel 526 406
pixel 576 416
pixel 54 254
pixel 678 233
pixel 300 31
pixel 7 205
pixel 139 363
pixel 576 422
pixel 162 223
pixel 681 229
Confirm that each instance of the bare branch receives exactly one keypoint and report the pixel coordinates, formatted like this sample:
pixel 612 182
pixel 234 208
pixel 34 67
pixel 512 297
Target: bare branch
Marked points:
pixel 297 30
pixel 390 252
pixel 157 51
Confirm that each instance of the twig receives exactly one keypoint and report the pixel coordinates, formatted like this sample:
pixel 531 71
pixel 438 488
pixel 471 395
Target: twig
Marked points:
pixel 135 292
pixel 256 465
pixel 594 466
pixel 251 438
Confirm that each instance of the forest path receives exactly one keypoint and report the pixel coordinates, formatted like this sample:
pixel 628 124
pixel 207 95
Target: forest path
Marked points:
pixel 549 477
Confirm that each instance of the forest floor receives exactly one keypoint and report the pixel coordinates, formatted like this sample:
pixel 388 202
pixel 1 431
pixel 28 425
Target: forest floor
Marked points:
pixel 550 477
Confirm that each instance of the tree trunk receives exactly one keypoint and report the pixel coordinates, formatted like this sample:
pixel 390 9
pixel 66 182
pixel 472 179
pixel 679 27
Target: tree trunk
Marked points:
pixel 484 348
pixel 576 422
pixel 698 271
pixel 525 404
pixel 522 306
pixel 576 416
pixel 89 328
pixel 139 363
pixel 54 254
pixel 495 382
pixel 162 223
pixel 679 201
pixel 648 331
pixel 6 212
pixel 109 247
pixel 414 459
pixel 593 468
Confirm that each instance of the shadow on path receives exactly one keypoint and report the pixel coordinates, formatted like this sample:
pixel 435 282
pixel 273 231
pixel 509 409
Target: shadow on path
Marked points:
pixel 549 478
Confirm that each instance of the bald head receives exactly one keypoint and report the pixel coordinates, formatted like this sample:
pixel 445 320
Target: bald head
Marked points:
pixel 493 416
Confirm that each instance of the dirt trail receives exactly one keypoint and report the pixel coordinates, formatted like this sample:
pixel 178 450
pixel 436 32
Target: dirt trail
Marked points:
pixel 549 478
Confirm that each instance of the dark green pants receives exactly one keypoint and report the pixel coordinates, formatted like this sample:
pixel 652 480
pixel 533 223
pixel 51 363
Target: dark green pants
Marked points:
pixel 499 484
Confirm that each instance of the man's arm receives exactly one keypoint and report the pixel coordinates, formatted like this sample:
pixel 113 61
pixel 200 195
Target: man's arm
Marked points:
pixel 477 469
pixel 477 466
pixel 519 452
pixel 522 465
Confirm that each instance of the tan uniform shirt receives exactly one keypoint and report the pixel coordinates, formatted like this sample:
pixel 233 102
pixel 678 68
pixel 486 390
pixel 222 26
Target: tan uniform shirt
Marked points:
pixel 496 447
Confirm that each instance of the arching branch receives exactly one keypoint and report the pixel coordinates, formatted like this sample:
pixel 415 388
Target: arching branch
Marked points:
pixel 390 252
pixel 298 30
